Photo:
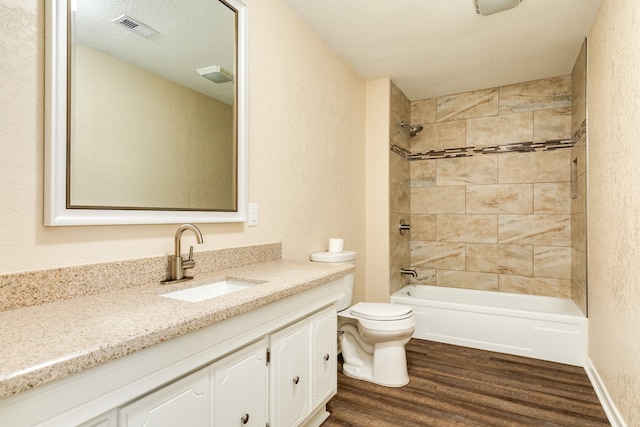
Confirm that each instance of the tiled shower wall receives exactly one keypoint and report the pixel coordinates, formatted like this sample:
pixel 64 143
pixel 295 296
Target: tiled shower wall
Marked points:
pixel 493 221
pixel 579 185
pixel 399 177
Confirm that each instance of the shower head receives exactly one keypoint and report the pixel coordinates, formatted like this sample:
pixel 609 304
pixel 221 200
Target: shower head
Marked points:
pixel 414 130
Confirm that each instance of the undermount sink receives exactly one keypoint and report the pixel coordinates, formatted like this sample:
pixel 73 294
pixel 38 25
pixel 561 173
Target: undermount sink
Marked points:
pixel 209 290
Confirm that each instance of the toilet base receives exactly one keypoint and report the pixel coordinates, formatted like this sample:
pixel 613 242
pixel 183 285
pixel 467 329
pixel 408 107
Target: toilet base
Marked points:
pixel 365 375
pixel 383 372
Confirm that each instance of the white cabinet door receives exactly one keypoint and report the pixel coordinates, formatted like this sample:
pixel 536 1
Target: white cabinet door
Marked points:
pixel 240 387
pixel 289 375
pixel 109 419
pixel 323 355
pixel 186 402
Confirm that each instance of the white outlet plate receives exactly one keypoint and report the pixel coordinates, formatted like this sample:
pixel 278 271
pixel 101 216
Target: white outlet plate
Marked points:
pixel 253 215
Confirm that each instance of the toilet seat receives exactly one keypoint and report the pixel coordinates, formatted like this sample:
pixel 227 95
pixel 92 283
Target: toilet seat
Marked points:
pixel 381 318
pixel 380 311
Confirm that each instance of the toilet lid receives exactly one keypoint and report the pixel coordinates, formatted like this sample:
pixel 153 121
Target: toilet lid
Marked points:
pixel 333 256
pixel 380 311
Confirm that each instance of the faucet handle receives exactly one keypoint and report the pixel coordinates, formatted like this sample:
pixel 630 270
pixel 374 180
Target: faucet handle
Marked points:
pixel 189 262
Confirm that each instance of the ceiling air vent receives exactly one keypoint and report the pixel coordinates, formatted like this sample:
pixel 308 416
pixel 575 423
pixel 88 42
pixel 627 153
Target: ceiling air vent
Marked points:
pixel 136 26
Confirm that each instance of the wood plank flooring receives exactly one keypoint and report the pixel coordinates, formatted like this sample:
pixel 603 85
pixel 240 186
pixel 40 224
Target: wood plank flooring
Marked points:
pixel 458 386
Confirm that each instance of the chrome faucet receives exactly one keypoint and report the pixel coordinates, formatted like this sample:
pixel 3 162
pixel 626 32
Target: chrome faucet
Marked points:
pixel 178 264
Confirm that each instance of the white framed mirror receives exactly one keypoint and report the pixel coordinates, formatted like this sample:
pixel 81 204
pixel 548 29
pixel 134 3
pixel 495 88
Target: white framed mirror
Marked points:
pixel 146 112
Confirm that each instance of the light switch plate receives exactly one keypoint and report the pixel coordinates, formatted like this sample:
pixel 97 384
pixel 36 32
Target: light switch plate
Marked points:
pixel 253 215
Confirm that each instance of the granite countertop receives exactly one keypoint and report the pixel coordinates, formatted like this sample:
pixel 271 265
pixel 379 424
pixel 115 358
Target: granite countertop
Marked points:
pixel 50 341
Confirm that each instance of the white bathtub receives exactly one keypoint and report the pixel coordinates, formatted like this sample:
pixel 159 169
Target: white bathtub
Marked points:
pixel 526 325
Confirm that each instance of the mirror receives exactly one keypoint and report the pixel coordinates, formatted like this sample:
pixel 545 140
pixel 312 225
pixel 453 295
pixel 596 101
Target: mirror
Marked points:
pixel 146 112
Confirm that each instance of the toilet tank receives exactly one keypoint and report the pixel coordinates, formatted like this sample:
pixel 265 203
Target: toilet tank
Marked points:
pixel 348 280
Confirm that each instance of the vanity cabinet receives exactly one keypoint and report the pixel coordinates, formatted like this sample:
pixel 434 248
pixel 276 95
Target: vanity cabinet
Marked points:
pixel 324 326
pixel 232 391
pixel 289 374
pixel 303 371
pixel 282 378
pixel 185 402
pixel 239 383
pixel 110 419
pixel 272 366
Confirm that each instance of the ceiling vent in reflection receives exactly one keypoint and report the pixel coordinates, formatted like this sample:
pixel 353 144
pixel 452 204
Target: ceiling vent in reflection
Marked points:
pixel 136 26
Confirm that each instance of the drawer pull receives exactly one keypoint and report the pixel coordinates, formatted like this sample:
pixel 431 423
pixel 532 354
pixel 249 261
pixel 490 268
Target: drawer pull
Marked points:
pixel 296 380
pixel 326 357
pixel 244 418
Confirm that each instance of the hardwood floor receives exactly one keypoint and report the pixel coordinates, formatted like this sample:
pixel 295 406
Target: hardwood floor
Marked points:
pixel 458 386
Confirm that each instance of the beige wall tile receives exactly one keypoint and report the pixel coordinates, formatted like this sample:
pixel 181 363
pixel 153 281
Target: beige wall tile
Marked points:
pixel 423 173
pixel 423 111
pixel 468 280
pixel 444 255
pixel 448 199
pixel 399 198
pixel 535 286
pixel 512 202
pixel 541 94
pixel 579 297
pixel 539 166
pixel 400 110
pixel 426 276
pixel 552 198
pixel 579 231
pixel 579 90
pixel 467 228
pixel 467 170
pixel 552 261
pixel 552 124
pixel 480 103
pixel 501 198
pixel 579 151
pixel 579 268
pixel 548 230
pixel 438 136
pixel 503 259
pixel 423 226
pixel 399 169
pixel 579 204
pixel 498 130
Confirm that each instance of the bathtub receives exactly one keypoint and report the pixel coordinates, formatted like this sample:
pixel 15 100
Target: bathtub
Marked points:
pixel 541 327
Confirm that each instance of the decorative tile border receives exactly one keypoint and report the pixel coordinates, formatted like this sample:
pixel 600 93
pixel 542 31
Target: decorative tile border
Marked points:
pixel 517 147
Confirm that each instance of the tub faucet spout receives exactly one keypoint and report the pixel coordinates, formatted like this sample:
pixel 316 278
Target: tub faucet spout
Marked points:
pixel 408 272
pixel 178 264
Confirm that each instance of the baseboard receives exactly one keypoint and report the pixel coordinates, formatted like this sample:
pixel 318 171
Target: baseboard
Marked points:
pixel 609 407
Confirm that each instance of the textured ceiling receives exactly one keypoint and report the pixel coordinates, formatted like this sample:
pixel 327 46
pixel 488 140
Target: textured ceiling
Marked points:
pixel 431 48
pixel 197 36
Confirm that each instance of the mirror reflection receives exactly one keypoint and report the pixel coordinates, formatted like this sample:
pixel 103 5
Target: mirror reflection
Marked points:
pixel 152 111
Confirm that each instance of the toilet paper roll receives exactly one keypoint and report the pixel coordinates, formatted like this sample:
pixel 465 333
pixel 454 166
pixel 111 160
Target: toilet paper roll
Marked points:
pixel 336 245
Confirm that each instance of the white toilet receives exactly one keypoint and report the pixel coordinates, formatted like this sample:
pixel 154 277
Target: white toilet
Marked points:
pixel 371 336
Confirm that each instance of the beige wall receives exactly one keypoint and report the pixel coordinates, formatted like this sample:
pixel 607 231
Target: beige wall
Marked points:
pixel 377 192
pixel 138 156
pixel 613 213
pixel 494 221
pixel 307 151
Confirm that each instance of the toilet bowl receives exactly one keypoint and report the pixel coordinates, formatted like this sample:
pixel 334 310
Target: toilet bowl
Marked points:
pixel 371 336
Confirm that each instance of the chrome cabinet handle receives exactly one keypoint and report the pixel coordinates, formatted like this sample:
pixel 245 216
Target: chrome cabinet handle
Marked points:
pixel 326 357
pixel 244 418
pixel 296 380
